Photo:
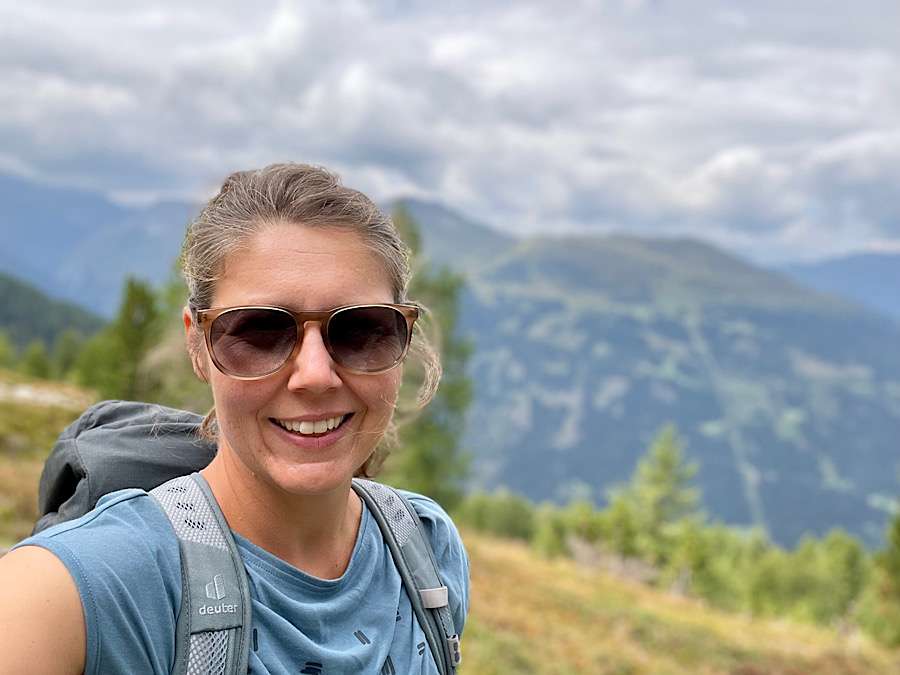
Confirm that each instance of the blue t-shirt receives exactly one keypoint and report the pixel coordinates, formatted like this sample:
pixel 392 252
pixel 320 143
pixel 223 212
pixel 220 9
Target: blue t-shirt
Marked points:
pixel 124 558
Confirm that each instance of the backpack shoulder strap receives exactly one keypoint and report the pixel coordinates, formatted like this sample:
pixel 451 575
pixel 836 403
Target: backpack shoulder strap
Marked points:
pixel 211 634
pixel 403 532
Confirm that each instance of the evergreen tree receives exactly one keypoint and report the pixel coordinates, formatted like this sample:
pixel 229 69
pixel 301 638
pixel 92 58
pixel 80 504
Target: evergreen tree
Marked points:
pixel 583 520
pixel 845 568
pixel 98 365
pixel 503 513
pixel 708 556
pixel 620 527
pixel 881 606
pixel 165 373
pixel 65 352
pixel 550 532
pixel 109 362
pixel 430 459
pixel 659 496
pixel 35 361
pixel 135 329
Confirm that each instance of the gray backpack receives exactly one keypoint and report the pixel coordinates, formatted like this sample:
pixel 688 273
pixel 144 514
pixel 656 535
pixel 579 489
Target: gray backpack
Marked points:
pixel 121 444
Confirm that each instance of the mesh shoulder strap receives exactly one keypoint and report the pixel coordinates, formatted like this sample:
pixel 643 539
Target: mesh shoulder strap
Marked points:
pixel 211 634
pixel 402 531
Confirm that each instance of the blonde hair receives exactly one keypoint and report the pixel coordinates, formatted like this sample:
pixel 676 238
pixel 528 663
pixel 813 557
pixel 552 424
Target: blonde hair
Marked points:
pixel 309 196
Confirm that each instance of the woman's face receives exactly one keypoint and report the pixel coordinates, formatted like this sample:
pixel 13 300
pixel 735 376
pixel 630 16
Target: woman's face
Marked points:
pixel 302 268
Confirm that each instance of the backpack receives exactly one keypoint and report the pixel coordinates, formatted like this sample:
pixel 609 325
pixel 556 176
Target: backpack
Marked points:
pixel 115 445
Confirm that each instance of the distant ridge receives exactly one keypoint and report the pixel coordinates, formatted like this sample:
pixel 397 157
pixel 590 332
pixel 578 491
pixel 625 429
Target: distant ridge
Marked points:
pixel 870 279
pixel 27 313
pixel 454 240
pixel 77 245
pixel 644 269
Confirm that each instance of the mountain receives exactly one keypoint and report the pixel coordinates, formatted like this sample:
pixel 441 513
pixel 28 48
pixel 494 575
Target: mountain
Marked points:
pixel 787 398
pixel 453 240
pixel 79 246
pixel 871 279
pixel 587 346
pixel 26 314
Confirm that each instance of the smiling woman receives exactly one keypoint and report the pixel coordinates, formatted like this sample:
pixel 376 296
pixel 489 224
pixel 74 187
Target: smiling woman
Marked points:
pixel 298 320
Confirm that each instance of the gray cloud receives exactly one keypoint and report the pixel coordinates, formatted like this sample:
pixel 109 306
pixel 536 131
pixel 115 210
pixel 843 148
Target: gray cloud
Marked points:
pixel 772 130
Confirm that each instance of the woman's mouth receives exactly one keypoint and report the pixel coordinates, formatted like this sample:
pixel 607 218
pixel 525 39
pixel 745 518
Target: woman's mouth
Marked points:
pixel 313 428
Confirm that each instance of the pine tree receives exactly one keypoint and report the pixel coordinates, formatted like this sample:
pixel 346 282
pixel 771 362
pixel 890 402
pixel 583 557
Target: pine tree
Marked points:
pixel 65 352
pixel 620 523
pixel 503 513
pixel 659 496
pixel 550 532
pixel 429 459
pixel 881 605
pixel 165 373
pixel 845 570
pixel 35 361
pixel 109 361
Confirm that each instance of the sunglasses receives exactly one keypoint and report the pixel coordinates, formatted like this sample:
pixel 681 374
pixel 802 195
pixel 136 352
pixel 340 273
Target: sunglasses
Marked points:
pixel 249 343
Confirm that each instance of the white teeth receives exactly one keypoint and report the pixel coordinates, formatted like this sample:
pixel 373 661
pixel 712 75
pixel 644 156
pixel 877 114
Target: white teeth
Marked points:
pixel 307 427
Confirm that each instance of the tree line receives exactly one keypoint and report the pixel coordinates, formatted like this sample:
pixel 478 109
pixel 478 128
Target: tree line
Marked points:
pixel 653 530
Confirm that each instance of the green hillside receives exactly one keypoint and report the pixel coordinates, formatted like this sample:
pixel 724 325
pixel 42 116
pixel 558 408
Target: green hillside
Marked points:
pixel 27 314
pixel 531 615
pixel 653 271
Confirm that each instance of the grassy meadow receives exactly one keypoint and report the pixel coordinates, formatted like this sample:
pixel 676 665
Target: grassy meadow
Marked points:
pixel 528 614
pixel 531 615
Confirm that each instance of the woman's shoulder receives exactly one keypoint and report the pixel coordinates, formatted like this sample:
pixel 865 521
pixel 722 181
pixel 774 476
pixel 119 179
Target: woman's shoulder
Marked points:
pixel 126 525
pixel 438 523
pixel 125 561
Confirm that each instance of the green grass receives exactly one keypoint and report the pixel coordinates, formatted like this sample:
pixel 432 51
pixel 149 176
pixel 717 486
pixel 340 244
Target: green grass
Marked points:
pixel 531 615
pixel 28 430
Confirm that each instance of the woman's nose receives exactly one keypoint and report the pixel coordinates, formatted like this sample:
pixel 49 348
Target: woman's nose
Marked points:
pixel 313 368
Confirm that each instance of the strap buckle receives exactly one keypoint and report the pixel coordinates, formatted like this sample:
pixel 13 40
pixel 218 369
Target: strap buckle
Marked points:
pixel 455 653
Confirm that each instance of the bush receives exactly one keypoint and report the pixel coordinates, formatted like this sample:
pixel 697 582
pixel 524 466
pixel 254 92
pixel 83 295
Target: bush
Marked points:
pixel 550 532
pixel 502 513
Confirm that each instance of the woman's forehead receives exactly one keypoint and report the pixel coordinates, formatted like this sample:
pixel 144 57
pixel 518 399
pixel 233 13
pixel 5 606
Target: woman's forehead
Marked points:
pixel 291 262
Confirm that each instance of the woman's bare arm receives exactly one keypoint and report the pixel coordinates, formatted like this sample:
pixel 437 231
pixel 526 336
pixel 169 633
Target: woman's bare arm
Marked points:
pixel 41 619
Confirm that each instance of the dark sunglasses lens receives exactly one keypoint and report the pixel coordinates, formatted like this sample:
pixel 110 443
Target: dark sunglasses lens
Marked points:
pixel 253 342
pixel 367 338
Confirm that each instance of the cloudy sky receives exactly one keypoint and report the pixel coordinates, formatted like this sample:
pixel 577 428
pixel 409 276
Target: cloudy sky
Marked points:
pixel 772 128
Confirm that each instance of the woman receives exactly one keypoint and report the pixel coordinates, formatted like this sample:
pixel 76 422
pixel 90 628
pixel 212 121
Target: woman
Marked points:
pixel 297 415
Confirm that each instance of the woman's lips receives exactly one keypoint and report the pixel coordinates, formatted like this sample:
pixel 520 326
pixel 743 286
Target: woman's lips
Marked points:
pixel 314 441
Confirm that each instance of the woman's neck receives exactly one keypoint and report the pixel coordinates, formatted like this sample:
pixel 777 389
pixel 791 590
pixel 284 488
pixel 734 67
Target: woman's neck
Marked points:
pixel 314 533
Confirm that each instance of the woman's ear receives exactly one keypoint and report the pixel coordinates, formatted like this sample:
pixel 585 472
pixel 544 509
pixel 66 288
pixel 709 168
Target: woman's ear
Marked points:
pixel 194 345
pixel 187 319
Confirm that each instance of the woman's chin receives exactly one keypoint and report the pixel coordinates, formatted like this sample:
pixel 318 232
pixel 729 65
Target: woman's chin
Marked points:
pixel 310 478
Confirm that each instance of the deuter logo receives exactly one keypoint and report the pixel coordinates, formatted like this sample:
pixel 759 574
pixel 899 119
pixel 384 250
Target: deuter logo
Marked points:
pixel 221 608
pixel 215 589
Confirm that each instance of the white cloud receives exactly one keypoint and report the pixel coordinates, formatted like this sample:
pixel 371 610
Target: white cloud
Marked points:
pixel 773 129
